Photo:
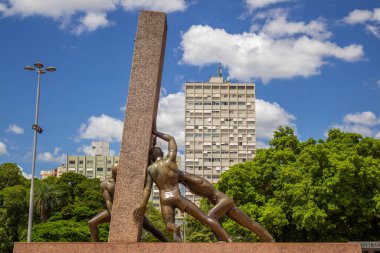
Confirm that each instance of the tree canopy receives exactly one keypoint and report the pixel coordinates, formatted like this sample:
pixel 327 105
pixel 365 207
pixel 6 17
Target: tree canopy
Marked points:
pixel 312 190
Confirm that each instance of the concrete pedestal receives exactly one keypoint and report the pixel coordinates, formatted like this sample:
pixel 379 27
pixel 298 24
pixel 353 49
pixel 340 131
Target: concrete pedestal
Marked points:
pixel 187 247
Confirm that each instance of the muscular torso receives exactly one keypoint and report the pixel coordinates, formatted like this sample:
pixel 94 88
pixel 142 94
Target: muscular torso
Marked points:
pixel 198 185
pixel 164 175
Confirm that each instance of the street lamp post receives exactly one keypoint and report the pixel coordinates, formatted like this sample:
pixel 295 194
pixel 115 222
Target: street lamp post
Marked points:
pixel 37 129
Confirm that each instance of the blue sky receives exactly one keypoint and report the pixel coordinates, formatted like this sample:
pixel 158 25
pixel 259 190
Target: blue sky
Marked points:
pixel 315 65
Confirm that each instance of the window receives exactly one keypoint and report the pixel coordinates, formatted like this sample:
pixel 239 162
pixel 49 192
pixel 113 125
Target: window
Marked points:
pixel 249 87
pixel 80 162
pixel 99 169
pixel 90 162
pixel 241 87
pixel 198 87
pixel 206 87
pixel 241 103
pixel 189 87
pixel 71 162
pixel 232 87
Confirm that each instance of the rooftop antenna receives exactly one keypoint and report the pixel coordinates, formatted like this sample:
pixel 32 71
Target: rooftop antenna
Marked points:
pixel 220 70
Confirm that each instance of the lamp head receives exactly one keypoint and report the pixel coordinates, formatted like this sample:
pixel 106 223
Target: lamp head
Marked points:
pixel 51 69
pixel 29 68
pixel 38 65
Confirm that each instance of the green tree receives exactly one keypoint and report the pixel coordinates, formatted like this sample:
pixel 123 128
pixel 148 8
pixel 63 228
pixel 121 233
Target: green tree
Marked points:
pixel 10 175
pixel 311 191
pixel 46 199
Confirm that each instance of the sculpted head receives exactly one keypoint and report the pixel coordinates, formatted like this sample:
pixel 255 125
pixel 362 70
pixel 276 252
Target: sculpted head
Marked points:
pixel 155 153
pixel 114 170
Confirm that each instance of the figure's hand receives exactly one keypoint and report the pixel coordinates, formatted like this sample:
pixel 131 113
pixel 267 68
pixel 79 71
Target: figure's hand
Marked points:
pixel 139 213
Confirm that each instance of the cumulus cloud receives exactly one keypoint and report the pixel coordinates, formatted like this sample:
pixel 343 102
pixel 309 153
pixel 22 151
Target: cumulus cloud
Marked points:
pixel 171 117
pixel 83 15
pixel 364 123
pixel 24 174
pixel 90 22
pixel 13 128
pixel 257 55
pixel 370 19
pixel 281 27
pixel 256 4
pixel 52 157
pixel 158 5
pixel 86 149
pixel 103 127
pixel 365 118
pixel 269 116
pixel 3 149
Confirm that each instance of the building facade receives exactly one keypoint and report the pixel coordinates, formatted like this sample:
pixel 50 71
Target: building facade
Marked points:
pixel 96 166
pixel 220 122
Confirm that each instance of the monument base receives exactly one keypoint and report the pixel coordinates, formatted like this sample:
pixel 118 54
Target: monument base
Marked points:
pixel 221 247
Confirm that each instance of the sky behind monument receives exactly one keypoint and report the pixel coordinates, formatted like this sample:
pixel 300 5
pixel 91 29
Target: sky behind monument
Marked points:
pixel 315 65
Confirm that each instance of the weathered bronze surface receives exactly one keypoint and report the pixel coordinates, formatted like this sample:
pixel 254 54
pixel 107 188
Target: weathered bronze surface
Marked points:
pixel 108 189
pixel 164 173
pixel 223 204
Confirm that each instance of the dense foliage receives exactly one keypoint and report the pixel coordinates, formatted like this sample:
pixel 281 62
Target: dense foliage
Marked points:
pixel 62 208
pixel 310 191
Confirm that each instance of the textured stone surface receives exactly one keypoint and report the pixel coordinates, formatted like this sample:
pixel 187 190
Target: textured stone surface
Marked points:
pixel 187 247
pixel 141 111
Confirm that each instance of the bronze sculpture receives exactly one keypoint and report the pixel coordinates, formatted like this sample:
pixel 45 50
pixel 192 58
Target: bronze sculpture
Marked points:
pixel 223 204
pixel 164 173
pixel 108 189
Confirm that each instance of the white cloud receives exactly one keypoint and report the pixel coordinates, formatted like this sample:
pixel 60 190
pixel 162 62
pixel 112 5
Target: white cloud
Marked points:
pixel 103 127
pixel 249 55
pixel 3 149
pixel 377 136
pixel 362 16
pixel 371 20
pixel 86 149
pixel 158 5
pixel 52 157
pixel 90 22
pixel 354 128
pixel 83 15
pixel 364 123
pixel 269 116
pixel 171 117
pixel 24 174
pixel 378 83
pixel 281 27
pixel 375 30
pixel 13 128
pixel 365 118
pixel 256 4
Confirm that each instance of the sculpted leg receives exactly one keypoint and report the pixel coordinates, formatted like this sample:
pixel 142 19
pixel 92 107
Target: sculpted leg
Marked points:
pixel 168 214
pixel 214 225
pixel 102 217
pixel 221 207
pixel 148 226
pixel 244 220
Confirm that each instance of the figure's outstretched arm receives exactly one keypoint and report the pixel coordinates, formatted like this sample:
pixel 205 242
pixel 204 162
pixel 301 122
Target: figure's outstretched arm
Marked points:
pixel 140 211
pixel 172 145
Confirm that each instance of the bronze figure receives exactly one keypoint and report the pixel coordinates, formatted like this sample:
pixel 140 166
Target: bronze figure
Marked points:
pixel 164 173
pixel 108 189
pixel 223 204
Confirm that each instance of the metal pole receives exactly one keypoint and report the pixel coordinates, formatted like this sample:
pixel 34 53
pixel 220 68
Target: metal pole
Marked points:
pixel 31 198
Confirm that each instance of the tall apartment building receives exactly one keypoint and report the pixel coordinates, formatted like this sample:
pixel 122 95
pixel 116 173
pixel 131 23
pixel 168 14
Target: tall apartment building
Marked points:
pixel 220 127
